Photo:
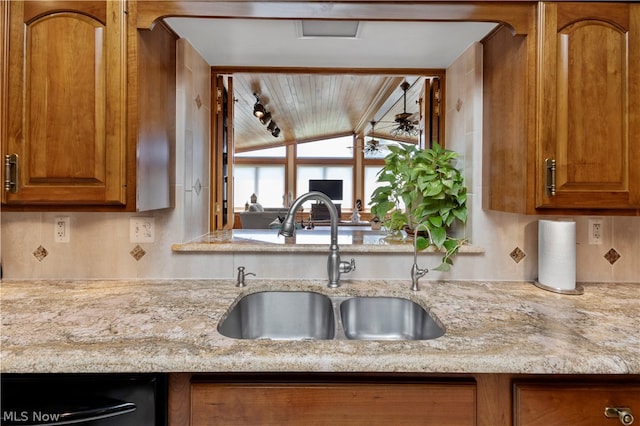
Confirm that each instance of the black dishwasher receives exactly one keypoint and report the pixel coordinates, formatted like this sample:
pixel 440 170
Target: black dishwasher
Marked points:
pixel 84 399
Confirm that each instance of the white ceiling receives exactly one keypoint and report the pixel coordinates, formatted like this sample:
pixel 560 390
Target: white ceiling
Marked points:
pixel 380 44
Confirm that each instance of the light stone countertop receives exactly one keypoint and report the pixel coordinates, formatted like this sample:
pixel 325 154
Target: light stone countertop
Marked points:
pixel 171 326
pixel 351 239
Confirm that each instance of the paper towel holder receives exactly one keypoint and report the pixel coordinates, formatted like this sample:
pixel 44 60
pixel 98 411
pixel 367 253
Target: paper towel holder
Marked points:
pixel 571 291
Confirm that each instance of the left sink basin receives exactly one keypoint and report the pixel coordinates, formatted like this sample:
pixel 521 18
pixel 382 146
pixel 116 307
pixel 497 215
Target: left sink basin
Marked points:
pixel 280 315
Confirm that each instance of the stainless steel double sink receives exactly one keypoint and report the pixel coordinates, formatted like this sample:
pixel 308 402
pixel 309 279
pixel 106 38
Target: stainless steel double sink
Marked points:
pixel 300 315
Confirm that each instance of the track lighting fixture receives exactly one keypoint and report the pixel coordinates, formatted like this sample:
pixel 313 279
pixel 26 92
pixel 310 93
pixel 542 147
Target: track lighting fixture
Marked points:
pixel 265 117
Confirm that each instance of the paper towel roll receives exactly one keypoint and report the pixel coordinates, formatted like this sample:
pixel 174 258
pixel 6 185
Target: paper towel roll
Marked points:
pixel 557 254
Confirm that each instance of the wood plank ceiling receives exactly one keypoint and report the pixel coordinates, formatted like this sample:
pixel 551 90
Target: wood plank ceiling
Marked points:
pixel 324 82
pixel 309 106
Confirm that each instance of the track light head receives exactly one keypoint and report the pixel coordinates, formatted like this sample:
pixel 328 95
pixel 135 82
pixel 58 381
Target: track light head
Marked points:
pixel 265 118
pixel 276 132
pixel 258 109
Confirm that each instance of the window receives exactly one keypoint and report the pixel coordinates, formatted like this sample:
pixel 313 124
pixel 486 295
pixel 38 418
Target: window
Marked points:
pixel 266 172
pixel 370 183
pixel 277 152
pixel 266 181
pixel 345 173
pixel 328 148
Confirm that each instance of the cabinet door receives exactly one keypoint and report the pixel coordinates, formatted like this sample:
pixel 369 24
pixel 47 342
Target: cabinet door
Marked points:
pixel 572 404
pixel 333 404
pixel 589 83
pixel 66 102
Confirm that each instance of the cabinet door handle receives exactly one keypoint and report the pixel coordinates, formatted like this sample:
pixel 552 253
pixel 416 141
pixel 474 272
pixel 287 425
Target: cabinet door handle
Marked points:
pixel 550 176
pixel 621 413
pixel 11 173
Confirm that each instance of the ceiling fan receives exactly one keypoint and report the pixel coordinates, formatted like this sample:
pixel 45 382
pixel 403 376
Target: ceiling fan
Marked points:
pixel 403 126
pixel 373 145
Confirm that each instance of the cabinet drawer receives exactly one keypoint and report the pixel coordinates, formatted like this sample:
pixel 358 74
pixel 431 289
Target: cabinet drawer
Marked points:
pixel 333 404
pixel 577 404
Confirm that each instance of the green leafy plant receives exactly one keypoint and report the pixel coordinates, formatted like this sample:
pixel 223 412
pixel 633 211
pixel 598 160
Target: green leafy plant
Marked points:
pixel 423 189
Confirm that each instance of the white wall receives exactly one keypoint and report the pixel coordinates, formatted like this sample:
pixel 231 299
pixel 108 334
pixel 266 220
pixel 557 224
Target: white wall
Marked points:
pixel 100 246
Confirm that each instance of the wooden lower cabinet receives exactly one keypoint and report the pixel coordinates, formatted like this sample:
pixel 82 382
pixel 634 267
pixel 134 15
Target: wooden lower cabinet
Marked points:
pixel 332 404
pixel 321 400
pixel 399 399
pixel 575 404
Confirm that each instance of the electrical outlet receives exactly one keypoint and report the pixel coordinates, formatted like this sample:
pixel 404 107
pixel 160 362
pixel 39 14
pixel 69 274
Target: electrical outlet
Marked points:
pixel 142 229
pixel 596 230
pixel 62 229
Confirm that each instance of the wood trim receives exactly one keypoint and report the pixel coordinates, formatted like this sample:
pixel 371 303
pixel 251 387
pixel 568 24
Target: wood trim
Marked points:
pixel 289 170
pixel 230 150
pixel 494 400
pixel 358 175
pixel 515 14
pixel 4 83
pixel 435 72
pixel 634 104
pixel 117 58
pixel 179 399
pixel 132 108
pixel 259 161
pixel 34 9
pixel 216 151
pixel 213 164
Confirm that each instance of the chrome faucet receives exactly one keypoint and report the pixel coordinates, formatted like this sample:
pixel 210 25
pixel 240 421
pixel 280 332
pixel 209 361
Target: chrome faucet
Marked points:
pixel 334 265
pixel 417 273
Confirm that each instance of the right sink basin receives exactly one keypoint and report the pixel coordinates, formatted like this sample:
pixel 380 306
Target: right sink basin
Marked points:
pixel 387 318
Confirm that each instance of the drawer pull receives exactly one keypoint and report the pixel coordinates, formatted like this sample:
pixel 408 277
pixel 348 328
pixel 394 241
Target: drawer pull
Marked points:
pixel 622 414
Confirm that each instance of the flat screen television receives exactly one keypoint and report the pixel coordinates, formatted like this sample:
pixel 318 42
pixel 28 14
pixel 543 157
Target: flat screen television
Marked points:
pixel 332 188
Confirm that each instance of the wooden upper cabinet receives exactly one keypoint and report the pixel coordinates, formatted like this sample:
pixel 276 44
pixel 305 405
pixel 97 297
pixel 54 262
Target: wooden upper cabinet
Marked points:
pixel 567 91
pixel 65 102
pixel 589 82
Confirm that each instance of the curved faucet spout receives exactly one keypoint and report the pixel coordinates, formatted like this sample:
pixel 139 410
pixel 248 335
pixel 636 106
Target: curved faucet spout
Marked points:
pixel 334 265
pixel 288 225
